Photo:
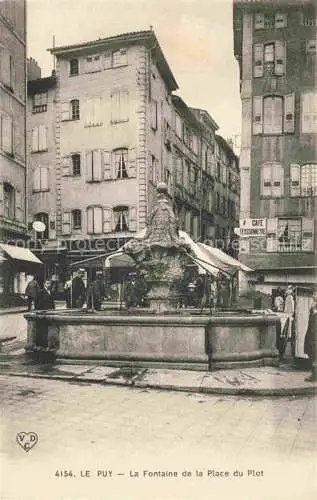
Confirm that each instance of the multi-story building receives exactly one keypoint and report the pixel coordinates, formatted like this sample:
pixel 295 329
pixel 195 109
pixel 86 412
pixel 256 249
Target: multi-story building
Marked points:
pixel 275 45
pixel 15 262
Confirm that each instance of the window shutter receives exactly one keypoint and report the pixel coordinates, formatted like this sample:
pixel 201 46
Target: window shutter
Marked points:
pixel 18 205
pixel 107 63
pixel 107 166
pixel 5 67
pixel 132 162
pixel 42 138
pixel 277 180
pixel 89 176
pixel 65 111
pixel 289 113
pixel 280 20
pixel 52 226
pixel 154 115
pixel 307 234
pixel 259 21
pixel 13 73
pixel 44 178
pixel 88 112
pixel 90 220
pixel 266 183
pixel 107 219
pixel 1 198
pixel 257 116
pixel 37 179
pixel 294 179
pixel 97 165
pixel 66 165
pixel 35 139
pixel 279 58
pixel 98 213
pixel 258 60
pixel 98 111
pixel 66 227
pixel 132 219
pixel 271 234
pixel 7 132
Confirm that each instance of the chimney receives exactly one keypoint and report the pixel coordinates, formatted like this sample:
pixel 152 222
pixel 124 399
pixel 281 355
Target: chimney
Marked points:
pixel 33 70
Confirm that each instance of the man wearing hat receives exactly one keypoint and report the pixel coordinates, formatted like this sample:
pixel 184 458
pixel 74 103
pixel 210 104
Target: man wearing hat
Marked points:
pixel 78 290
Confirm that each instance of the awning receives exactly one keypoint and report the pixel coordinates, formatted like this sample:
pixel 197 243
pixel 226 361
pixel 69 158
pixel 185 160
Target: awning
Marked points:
pixel 20 253
pixel 119 259
pixel 226 259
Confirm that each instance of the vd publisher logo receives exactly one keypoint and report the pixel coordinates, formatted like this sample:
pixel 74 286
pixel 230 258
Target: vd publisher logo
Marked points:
pixel 27 440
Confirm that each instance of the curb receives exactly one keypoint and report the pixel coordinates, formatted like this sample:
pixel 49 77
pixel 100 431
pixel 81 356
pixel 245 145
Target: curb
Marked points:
pixel 281 392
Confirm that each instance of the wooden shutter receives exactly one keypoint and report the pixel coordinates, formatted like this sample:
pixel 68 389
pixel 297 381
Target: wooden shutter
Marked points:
pixel 37 179
pixel 279 58
pixel 66 165
pixel 257 115
pixel 115 106
pixel 1 197
pixel 277 180
pixel 132 162
pixel 258 60
pixel 42 131
pixel 97 165
pixel 89 175
pixel 307 234
pixel 154 115
pixel 12 73
pixel 98 222
pixel 98 111
pixel 44 178
pixel 52 226
pixel 266 179
pixel 66 226
pixel 90 220
pixel 35 139
pixel 107 165
pixel 294 179
pixel 65 111
pixel 88 112
pixel 132 219
pixel 280 20
pixel 271 234
pixel 7 134
pixel 259 21
pixel 18 206
pixel 289 113
pixel 107 219
pixel 5 66
pixel 107 60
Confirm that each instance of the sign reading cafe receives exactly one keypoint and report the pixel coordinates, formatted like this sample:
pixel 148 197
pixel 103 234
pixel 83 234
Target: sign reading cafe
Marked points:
pixel 252 227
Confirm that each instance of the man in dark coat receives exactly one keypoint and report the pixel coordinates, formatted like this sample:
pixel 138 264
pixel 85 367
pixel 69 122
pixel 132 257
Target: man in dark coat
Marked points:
pixel 44 302
pixel 32 291
pixel 97 292
pixel 310 342
pixel 78 290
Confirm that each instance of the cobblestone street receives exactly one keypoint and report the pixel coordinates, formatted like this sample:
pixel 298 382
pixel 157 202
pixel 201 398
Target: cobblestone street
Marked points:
pixel 127 431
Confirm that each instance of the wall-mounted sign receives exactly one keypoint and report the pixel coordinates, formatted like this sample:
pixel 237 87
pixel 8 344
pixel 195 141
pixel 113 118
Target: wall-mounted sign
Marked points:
pixel 252 227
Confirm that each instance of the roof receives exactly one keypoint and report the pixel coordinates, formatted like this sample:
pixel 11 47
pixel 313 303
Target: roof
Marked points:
pixel 41 84
pixel 146 37
pixel 20 253
pixel 225 258
pixel 202 113
pixel 224 144
pixel 185 111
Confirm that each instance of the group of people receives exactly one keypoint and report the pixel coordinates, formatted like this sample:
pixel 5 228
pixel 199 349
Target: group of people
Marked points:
pixel 39 294
pixel 204 292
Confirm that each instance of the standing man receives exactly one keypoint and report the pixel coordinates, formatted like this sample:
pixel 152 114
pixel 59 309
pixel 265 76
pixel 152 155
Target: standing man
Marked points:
pixel 32 292
pixel 97 292
pixel 78 290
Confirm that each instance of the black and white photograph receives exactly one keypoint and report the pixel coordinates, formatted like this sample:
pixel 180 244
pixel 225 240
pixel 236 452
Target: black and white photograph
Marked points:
pixel 158 249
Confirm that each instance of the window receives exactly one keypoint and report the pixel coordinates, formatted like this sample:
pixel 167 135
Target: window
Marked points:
pixel 274 114
pixel 42 217
pixel 39 139
pixel 269 59
pixel 93 64
pixel 6 134
pixel 8 201
pixel 153 171
pixel 120 158
pixel 76 219
pixel 121 215
pixel 272 180
pixel 74 104
pixel 154 115
pixel 303 180
pixel 311 47
pixel 119 58
pixel 40 179
pixel 119 106
pixel 73 67
pixel 290 235
pixel 94 164
pixel 218 170
pixel 178 163
pixel 309 113
pixel 39 102
pixel 217 203
pixel 7 69
pixel 270 20
pixel 178 125
pixel 195 144
pixel 76 164
pixel 92 112
pixel 187 136
pixel 94 220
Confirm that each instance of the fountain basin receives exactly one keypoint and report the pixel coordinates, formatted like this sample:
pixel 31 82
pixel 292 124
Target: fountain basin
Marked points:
pixel 183 341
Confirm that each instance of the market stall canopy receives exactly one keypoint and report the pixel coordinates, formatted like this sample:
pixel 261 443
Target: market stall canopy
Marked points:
pixel 20 253
pixel 119 259
pixel 226 259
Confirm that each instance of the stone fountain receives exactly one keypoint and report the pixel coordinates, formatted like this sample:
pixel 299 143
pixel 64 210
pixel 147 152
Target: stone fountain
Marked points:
pixel 162 335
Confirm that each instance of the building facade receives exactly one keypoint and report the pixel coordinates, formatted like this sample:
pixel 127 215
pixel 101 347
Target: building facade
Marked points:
pixel 275 45
pixel 12 143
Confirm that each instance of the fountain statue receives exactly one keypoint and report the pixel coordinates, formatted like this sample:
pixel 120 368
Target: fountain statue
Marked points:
pixel 162 255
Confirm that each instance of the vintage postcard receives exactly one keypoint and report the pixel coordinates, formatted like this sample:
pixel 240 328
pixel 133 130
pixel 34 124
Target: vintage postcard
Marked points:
pixel 158 249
